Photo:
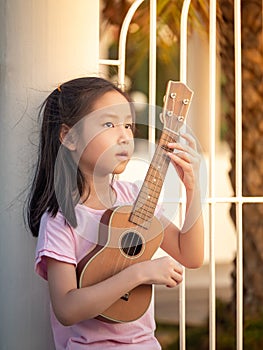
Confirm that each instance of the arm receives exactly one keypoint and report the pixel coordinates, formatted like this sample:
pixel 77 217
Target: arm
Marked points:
pixel 72 305
pixel 187 245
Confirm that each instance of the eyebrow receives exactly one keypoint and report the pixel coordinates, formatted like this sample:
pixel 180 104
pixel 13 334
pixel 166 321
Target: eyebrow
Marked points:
pixel 114 116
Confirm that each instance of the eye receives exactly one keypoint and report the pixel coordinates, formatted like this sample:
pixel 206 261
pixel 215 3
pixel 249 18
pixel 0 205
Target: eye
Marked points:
pixel 108 125
pixel 128 126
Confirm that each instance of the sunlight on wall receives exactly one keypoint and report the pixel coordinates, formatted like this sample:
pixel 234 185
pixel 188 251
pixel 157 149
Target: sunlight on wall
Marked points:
pixel 43 43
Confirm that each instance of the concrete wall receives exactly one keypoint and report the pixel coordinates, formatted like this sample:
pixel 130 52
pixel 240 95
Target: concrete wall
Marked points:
pixel 42 44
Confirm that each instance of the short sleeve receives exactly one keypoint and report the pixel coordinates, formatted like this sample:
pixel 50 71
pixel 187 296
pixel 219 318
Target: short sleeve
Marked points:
pixel 56 240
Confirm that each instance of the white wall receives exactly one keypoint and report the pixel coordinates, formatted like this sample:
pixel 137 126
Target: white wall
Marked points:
pixel 42 44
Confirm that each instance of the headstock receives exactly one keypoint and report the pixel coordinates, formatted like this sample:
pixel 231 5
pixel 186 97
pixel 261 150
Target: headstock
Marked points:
pixel 177 100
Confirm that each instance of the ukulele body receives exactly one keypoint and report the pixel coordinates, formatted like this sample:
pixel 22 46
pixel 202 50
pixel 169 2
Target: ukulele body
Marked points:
pixel 121 243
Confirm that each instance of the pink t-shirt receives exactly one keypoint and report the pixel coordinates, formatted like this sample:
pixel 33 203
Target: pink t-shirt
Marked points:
pixel 64 243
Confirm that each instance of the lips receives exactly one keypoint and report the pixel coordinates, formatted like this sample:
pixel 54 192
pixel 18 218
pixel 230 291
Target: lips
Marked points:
pixel 122 156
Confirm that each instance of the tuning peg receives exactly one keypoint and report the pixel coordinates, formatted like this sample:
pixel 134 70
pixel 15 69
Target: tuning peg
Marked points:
pixel 161 117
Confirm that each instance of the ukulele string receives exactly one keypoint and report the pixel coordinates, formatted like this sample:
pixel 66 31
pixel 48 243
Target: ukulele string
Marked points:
pixel 161 168
pixel 155 173
pixel 121 245
pixel 163 165
pixel 134 245
pixel 130 249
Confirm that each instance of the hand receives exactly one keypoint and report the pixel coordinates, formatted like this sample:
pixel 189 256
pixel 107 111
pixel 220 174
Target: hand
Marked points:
pixel 165 271
pixel 186 161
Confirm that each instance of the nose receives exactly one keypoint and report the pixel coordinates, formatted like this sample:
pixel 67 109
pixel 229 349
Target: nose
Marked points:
pixel 124 134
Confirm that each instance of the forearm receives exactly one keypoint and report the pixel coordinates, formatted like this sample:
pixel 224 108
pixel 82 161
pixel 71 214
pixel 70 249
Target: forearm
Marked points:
pixel 72 305
pixel 81 304
pixel 191 237
pixel 186 245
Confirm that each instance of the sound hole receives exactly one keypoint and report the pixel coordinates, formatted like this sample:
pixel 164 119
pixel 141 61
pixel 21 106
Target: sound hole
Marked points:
pixel 131 243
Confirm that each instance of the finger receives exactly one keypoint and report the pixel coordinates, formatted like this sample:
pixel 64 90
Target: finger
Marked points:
pixel 174 281
pixel 177 147
pixel 181 158
pixel 177 277
pixel 178 268
pixel 184 156
pixel 190 139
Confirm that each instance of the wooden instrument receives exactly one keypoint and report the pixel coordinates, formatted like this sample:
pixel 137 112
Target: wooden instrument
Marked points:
pixel 131 234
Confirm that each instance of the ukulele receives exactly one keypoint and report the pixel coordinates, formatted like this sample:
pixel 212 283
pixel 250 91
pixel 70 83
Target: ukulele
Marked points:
pixel 131 233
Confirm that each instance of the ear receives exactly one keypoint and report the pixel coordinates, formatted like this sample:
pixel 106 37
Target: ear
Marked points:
pixel 66 137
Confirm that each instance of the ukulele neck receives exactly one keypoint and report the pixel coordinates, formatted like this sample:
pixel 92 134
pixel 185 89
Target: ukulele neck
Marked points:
pixel 146 202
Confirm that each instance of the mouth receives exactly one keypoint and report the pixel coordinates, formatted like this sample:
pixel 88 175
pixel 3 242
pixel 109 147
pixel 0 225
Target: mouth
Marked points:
pixel 122 156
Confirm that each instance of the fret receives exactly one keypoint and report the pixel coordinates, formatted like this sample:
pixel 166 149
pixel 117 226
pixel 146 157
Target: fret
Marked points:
pixel 154 182
pixel 170 136
pixel 144 210
pixel 156 171
pixel 144 215
pixel 154 177
pixel 151 194
pixel 160 158
pixel 147 200
pixel 141 222
pixel 150 185
pixel 140 206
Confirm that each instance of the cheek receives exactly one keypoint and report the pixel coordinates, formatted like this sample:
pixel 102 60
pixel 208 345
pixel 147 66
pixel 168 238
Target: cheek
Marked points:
pixel 92 146
pixel 96 155
pixel 92 152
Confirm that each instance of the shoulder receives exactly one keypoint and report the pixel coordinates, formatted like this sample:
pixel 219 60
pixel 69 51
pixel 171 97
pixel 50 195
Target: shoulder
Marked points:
pixel 53 224
pixel 56 240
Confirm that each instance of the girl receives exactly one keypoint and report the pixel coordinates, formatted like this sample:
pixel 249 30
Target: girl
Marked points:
pixel 86 136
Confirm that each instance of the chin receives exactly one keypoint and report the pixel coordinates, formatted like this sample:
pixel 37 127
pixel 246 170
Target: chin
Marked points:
pixel 120 168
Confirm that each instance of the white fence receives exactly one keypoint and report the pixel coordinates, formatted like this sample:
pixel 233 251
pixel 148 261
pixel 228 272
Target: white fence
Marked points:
pixel 212 199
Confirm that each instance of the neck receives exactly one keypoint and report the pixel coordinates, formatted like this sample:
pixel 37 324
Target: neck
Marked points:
pixel 98 193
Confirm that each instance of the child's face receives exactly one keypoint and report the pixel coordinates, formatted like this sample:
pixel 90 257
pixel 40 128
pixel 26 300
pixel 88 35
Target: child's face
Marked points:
pixel 107 136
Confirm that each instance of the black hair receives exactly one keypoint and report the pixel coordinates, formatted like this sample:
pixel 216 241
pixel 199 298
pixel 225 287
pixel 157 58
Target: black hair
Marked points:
pixel 65 105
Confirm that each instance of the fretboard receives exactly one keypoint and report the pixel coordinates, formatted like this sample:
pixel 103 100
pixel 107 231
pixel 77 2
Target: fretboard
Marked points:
pixel 146 202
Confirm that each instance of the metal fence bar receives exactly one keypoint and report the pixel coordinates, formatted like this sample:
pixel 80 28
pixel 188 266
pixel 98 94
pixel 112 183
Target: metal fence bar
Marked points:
pixel 223 200
pixel 123 38
pixel 121 61
pixel 183 41
pixel 238 135
pixel 152 76
pixel 234 200
pixel 183 78
pixel 212 141
pixel 109 62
